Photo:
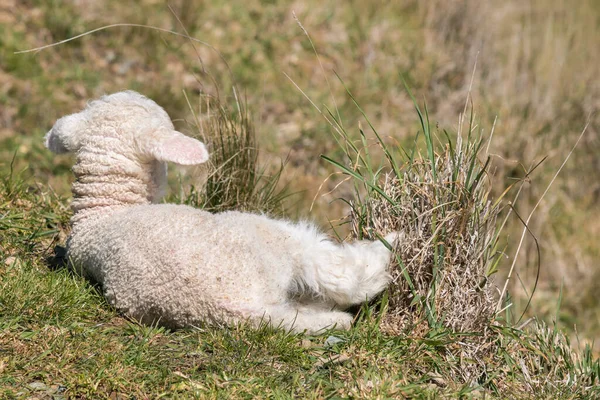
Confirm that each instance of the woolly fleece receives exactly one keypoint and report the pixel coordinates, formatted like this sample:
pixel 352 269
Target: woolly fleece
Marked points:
pixel 179 266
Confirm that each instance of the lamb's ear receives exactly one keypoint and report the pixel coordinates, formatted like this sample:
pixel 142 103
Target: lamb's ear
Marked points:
pixel 64 135
pixel 177 148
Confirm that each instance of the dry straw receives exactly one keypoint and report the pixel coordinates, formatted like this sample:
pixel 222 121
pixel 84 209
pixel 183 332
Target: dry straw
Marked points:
pixel 443 264
pixel 438 195
pixel 234 179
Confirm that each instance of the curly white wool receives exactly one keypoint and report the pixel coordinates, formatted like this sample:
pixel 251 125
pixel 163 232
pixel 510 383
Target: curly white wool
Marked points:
pixel 179 266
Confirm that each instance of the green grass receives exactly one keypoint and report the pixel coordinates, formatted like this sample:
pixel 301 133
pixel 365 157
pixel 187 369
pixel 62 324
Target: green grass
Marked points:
pixel 71 341
pixel 534 71
pixel 234 178
pixel 58 337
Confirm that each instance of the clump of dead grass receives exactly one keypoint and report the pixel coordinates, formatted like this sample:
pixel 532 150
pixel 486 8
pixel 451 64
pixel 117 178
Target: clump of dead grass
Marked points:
pixel 233 177
pixel 442 205
pixel 438 195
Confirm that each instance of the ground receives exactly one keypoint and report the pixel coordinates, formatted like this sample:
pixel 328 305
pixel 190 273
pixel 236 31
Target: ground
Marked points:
pixel 528 65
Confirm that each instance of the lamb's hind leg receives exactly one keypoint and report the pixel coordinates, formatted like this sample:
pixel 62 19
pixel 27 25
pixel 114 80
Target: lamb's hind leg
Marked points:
pixel 350 273
pixel 309 319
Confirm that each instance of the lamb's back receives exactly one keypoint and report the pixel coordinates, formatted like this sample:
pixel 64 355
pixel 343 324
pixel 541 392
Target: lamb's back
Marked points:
pixel 184 262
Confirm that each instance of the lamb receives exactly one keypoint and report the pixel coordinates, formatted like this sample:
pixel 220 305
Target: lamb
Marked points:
pixel 178 266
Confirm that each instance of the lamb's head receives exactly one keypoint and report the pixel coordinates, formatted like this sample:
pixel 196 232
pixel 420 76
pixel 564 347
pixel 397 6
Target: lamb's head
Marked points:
pixel 124 135
pixel 136 125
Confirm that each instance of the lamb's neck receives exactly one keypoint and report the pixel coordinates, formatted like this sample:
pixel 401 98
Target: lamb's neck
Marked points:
pixel 105 184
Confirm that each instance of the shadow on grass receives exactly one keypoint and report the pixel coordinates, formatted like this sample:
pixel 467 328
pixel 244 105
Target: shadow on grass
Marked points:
pixel 58 260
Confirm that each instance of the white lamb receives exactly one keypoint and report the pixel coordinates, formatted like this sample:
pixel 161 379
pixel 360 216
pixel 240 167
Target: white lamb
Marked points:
pixel 179 266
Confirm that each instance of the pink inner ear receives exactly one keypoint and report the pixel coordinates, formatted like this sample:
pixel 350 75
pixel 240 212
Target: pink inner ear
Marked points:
pixel 182 150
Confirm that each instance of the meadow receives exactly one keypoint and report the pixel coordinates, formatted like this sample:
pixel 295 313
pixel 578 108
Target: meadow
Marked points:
pixel 313 78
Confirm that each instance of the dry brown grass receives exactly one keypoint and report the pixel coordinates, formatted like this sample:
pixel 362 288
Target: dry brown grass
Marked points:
pixel 233 178
pixel 447 253
pixel 441 199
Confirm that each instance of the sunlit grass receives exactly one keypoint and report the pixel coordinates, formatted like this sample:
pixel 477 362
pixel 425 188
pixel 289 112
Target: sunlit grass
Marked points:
pixel 534 71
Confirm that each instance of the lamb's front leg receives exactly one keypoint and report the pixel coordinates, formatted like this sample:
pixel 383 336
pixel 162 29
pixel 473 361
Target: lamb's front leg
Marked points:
pixel 312 320
pixel 348 273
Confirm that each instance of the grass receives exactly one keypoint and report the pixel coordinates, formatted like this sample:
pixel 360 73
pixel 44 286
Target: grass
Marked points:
pixel 439 195
pixel 233 180
pixel 441 202
pixel 59 338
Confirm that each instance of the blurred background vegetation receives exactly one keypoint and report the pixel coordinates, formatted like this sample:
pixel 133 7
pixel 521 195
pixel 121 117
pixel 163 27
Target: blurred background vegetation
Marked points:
pixel 532 67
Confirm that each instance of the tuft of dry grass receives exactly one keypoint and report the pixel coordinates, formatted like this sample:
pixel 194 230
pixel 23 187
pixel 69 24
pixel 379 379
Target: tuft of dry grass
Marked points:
pixel 438 195
pixel 448 252
pixel 233 178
